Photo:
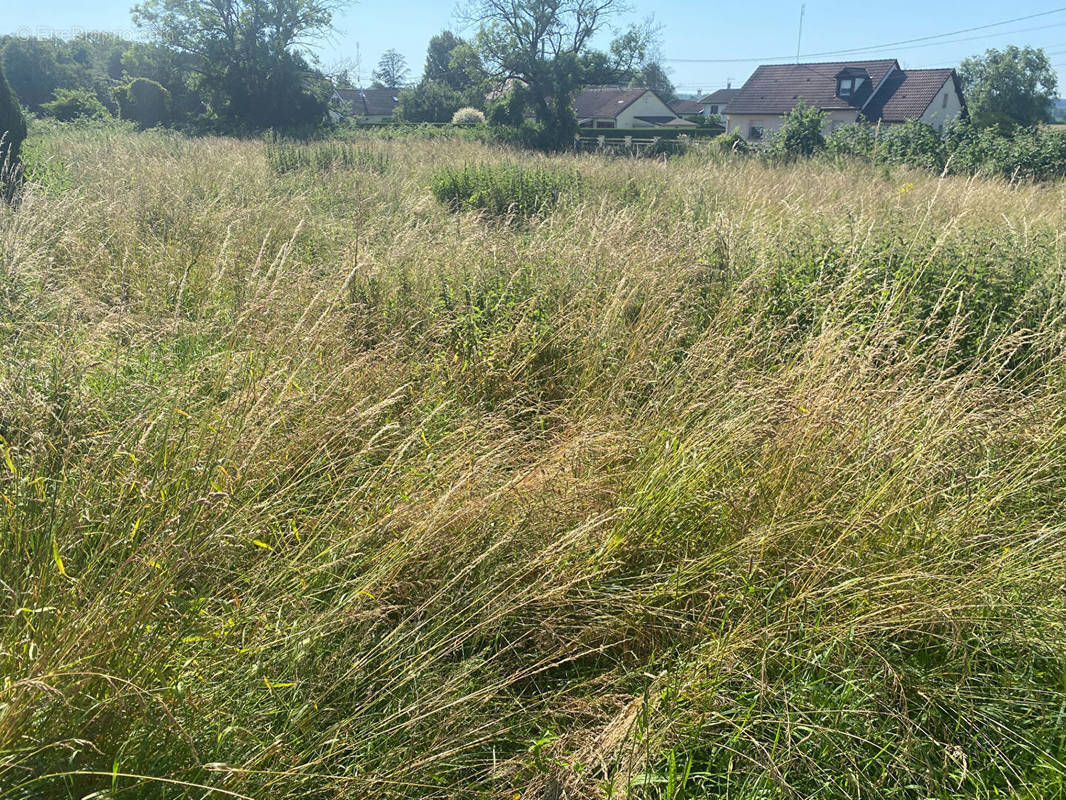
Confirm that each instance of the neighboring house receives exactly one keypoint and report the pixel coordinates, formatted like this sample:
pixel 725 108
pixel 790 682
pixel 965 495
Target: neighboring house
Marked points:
pixel 848 92
pixel 625 108
pixel 715 103
pixel 686 108
pixel 368 105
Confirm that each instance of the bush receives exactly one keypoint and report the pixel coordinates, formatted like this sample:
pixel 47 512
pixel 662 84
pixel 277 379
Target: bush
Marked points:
pixel 143 101
pixel 468 116
pixel 72 104
pixel 501 189
pixel 801 132
pixel 731 143
pixel 915 144
pixel 854 141
pixel 12 129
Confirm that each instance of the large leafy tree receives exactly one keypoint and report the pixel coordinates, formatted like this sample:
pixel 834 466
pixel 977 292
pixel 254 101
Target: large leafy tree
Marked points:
pixel 1009 87
pixel 246 54
pixel 35 68
pixel 391 72
pixel 544 47
pixel 439 68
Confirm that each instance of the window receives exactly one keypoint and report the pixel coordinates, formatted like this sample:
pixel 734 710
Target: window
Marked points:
pixel 712 110
pixel 844 87
pixel 756 131
pixel 945 103
pixel 604 123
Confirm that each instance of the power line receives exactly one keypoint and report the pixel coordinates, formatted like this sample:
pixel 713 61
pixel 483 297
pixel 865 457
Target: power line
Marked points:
pixel 866 49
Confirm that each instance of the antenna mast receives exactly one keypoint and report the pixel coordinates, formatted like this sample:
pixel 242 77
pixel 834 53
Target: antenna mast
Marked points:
pixel 799 38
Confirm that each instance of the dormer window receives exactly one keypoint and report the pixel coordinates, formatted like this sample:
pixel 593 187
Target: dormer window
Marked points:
pixel 850 80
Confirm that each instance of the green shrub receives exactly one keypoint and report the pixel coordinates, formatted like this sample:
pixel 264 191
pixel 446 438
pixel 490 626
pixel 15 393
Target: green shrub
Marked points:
pixel 12 129
pixel 1031 153
pixel 501 189
pixel 731 143
pixel 854 141
pixel 800 133
pixel 143 101
pixel 72 104
pixel 323 156
pixel 915 144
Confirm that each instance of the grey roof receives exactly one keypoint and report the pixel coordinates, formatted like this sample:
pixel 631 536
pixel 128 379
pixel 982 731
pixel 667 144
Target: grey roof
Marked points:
pixel 605 102
pixel 776 88
pixel 685 107
pixel 722 97
pixel 371 102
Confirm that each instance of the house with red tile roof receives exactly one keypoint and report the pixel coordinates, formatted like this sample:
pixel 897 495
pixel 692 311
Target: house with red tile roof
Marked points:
pixel 847 91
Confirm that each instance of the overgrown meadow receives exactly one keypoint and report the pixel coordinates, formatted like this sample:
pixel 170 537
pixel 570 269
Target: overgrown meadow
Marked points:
pixel 327 471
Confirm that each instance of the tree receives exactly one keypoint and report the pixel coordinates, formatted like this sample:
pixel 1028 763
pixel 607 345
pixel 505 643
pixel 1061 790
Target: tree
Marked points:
pixel 143 101
pixel 801 131
pixel 429 102
pixel 72 104
pixel 439 68
pixel 391 72
pixel 246 54
pixel 12 130
pixel 1005 88
pixel 545 46
pixel 34 71
pixel 654 77
pixel 170 69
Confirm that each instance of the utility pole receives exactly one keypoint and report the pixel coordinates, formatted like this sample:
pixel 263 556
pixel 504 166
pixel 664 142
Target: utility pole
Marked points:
pixel 799 38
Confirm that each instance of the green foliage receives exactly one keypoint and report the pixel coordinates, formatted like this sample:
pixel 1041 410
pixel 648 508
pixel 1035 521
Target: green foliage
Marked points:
pixel 72 104
pixel 429 102
pixel 34 70
pixel 501 189
pixel 12 131
pixel 851 141
pixel 391 71
pixel 246 56
pixel 653 76
pixel 1005 88
pixel 286 156
pixel 732 143
pixel 800 133
pixel 913 143
pixel 1035 153
pixel 545 52
pixel 144 101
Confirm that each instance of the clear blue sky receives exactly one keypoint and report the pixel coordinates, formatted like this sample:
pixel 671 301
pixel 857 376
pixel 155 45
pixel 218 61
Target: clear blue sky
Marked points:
pixel 691 30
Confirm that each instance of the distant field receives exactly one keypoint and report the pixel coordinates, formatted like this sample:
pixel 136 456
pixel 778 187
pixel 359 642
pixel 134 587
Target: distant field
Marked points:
pixel 690 478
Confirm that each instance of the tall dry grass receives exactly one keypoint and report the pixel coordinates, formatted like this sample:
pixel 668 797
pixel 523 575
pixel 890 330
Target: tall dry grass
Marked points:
pixel 715 480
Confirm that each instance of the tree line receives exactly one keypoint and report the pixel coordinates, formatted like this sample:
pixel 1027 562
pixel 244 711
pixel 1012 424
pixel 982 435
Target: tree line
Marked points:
pixel 233 66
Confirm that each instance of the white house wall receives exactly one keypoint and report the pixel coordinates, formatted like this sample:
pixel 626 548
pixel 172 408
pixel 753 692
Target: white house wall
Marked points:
pixel 772 122
pixel 946 106
pixel 647 105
